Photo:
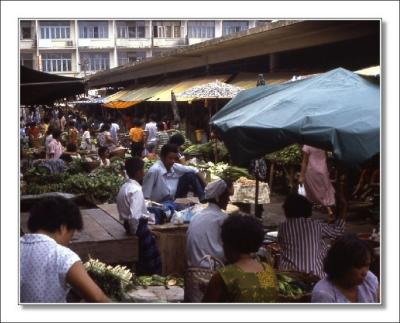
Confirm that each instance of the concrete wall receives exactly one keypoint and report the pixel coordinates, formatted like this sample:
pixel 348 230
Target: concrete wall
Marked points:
pixel 133 43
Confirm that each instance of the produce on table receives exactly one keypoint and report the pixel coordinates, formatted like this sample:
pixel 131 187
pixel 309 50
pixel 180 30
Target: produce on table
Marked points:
pixel 288 155
pixel 157 280
pixel 207 150
pixel 114 281
pixel 295 285
pixel 99 186
pixel 219 170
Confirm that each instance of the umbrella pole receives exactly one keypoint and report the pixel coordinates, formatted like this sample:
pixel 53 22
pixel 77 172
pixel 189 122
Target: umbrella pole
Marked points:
pixel 256 208
pixel 216 142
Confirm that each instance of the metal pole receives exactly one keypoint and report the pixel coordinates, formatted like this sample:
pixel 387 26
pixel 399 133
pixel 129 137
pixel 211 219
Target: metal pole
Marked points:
pixel 257 210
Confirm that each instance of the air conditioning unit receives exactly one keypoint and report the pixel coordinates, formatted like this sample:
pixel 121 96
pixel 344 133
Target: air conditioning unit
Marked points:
pixel 70 43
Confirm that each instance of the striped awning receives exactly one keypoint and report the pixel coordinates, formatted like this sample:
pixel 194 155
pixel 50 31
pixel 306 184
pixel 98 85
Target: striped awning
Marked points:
pixel 160 92
pixel 180 86
pixel 249 80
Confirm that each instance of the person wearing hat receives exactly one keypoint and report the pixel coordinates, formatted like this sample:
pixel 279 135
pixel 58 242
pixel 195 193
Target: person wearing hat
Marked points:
pixel 204 232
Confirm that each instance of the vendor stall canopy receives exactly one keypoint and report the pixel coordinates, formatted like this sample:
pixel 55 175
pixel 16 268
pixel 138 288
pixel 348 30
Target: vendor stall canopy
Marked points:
pixel 44 88
pixel 158 92
pixel 337 111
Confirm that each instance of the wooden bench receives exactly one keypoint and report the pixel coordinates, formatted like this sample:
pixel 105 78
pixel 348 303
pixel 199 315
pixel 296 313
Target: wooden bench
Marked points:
pixel 102 238
pixel 171 240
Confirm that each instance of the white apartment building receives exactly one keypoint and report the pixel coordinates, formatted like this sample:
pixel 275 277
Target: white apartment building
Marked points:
pixel 81 47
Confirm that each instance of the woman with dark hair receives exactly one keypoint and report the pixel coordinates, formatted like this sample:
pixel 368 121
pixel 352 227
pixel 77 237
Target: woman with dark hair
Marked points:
pixel 85 142
pixel 348 277
pixel 73 133
pixel 104 138
pixel 301 238
pixel 48 267
pixel 55 148
pixel 245 280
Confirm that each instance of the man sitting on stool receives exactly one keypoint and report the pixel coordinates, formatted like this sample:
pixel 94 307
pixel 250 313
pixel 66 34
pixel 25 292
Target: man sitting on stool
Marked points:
pixel 167 179
pixel 132 210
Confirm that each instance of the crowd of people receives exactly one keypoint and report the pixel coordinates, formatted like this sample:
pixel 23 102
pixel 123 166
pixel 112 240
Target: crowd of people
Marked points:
pixel 341 262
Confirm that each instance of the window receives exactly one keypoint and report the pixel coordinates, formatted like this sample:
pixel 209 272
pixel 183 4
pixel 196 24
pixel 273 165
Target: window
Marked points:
pixel 26 30
pixel 130 57
pixel 93 29
pixel 27 59
pixel 95 61
pixel 57 62
pixel 55 30
pixel 131 29
pixel 230 27
pixel 201 29
pixel 167 29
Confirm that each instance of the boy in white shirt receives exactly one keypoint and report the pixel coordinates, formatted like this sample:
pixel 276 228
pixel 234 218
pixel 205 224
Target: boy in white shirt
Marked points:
pixel 132 210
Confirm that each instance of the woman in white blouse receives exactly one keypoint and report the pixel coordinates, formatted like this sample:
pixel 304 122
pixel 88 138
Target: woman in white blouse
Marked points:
pixel 48 268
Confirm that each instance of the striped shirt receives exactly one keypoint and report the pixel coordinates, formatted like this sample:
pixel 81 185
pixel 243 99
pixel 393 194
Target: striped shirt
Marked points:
pixel 302 243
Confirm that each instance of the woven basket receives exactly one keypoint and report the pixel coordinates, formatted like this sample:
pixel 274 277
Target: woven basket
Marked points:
pixel 89 166
pixel 197 279
pixel 118 152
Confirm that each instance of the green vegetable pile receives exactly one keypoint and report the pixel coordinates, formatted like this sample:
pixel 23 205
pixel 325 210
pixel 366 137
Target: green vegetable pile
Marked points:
pixel 207 150
pixel 221 170
pixel 99 186
pixel 290 155
pixel 114 281
pixel 287 286
pixel 295 285
pixel 157 280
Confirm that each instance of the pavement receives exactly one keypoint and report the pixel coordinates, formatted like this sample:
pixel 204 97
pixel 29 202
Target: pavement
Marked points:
pixel 356 222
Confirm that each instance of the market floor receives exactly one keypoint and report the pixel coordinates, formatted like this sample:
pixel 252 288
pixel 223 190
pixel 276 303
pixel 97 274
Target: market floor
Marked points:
pixel 273 215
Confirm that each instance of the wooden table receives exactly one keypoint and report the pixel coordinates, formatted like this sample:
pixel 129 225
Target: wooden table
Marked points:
pixel 171 240
pixel 102 237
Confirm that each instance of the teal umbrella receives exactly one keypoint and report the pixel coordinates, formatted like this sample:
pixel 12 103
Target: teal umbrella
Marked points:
pixel 338 111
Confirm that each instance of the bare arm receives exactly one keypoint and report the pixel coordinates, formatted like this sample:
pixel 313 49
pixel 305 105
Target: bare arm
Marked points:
pixel 80 280
pixel 304 164
pixel 109 138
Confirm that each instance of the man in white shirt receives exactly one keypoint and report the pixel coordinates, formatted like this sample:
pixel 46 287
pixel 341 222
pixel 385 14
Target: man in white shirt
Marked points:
pixel 203 236
pixel 132 210
pixel 204 232
pixel 167 180
pixel 151 133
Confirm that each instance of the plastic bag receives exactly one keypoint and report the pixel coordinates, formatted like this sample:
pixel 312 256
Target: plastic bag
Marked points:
pixel 301 190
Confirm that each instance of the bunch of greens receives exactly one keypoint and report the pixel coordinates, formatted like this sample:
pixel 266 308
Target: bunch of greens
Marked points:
pixel 114 281
pixel 157 280
pixel 288 155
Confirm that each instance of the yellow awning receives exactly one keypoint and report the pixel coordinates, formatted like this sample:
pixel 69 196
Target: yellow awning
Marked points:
pixel 249 80
pixel 160 92
pixel 120 104
pixel 164 95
